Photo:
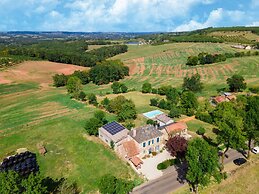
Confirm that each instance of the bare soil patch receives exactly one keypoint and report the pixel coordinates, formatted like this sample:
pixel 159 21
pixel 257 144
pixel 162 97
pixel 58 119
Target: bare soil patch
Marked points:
pixel 36 71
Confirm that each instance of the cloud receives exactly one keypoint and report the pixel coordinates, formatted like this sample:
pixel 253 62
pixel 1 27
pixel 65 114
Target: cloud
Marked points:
pixel 254 24
pixel 216 18
pixel 255 3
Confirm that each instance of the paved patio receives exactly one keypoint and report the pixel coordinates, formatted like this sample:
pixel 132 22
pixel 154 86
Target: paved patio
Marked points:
pixel 149 166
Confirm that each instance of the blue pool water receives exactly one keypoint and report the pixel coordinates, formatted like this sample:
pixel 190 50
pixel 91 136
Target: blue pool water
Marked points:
pixel 152 114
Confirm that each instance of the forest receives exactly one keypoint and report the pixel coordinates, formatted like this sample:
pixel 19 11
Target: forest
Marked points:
pixel 69 52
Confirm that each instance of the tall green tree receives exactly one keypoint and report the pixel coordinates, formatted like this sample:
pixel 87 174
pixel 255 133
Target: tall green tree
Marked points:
pixel 192 61
pixel 74 87
pixel 189 103
pixel 202 162
pixel 251 123
pixel 173 96
pixel 128 111
pixel 230 124
pixel 193 83
pixel 236 83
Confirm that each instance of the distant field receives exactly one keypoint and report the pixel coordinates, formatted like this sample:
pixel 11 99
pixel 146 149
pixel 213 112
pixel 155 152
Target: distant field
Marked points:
pixel 36 71
pixel 234 36
pixel 165 64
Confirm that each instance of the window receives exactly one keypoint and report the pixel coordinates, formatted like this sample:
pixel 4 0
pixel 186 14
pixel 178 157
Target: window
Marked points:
pixel 144 144
pixel 157 140
pixel 148 142
pixel 152 141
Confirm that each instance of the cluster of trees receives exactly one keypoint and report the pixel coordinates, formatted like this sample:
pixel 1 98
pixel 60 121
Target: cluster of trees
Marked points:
pixel 12 182
pixel 201 158
pixel 124 109
pixel 103 73
pixel 112 185
pixel 237 122
pixel 207 58
pixel 93 124
pixel 68 52
pixel 108 71
pixel 118 87
pixel 177 102
pixel 236 83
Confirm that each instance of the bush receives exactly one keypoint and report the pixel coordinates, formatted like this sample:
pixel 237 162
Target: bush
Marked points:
pixel 154 101
pixel 154 91
pixel 161 166
pixel 146 88
pixel 60 80
pixel 82 96
pixel 164 165
pixel 92 99
pixel 151 122
pixel 201 131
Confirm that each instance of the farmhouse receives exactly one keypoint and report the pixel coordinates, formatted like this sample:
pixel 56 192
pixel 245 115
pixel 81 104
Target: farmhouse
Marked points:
pixel 148 139
pixel 224 97
pixel 113 132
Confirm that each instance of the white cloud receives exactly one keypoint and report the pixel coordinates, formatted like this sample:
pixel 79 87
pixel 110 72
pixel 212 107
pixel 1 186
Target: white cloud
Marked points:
pixel 254 24
pixel 215 18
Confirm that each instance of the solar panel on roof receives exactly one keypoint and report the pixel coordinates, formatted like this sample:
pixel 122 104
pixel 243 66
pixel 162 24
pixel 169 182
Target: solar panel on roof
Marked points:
pixel 113 127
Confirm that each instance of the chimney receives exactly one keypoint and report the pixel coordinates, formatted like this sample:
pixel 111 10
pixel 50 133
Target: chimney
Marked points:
pixel 134 132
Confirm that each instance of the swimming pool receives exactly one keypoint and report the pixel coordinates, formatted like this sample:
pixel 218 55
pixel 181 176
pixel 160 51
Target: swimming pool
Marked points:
pixel 152 114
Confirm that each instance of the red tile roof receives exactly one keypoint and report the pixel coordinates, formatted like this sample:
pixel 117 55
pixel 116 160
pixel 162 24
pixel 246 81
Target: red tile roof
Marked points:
pixel 176 127
pixel 220 99
pixel 136 161
pixel 131 148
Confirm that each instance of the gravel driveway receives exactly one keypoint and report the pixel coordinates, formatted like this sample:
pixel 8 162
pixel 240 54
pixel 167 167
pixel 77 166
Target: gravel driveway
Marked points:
pixel 149 166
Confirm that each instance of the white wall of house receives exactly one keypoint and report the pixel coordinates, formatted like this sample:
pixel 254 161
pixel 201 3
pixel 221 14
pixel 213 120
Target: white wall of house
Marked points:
pixel 104 137
pixel 152 145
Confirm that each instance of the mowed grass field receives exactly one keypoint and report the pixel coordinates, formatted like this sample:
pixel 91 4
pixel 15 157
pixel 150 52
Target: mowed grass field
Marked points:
pixel 32 114
pixel 165 64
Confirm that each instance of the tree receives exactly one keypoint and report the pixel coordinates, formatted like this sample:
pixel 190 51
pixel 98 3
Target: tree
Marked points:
pixel 154 102
pixel 128 111
pixel 162 104
pixel 74 86
pixel 109 184
pixel 129 124
pixel 177 146
pixel 92 125
pixel 115 104
pixel 193 83
pixel 124 88
pixel 82 96
pixel 201 131
pixel 173 96
pixel 105 102
pixel 67 188
pixel 202 162
pixel 192 61
pixel 99 115
pixel 12 182
pixel 146 88
pixel 92 99
pixel 60 80
pixel 236 83
pixel 251 125
pixel 230 125
pixel 83 76
pixel 189 103
pixel 34 184
pixel 175 112
pixel 116 87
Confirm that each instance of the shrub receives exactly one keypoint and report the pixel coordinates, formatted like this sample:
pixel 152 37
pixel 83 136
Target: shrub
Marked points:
pixel 154 102
pixel 151 122
pixel 161 166
pixel 146 88
pixel 82 96
pixel 154 91
pixel 201 131
pixel 60 80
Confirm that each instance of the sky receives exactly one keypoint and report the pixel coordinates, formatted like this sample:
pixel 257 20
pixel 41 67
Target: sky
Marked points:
pixel 125 15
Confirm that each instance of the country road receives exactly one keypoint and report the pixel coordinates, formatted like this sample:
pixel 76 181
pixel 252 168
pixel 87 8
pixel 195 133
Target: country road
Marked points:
pixel 169 183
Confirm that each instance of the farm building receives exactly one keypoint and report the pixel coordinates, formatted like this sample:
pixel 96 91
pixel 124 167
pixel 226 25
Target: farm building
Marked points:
pixel 161 118
pixel 113 132
pixel 178 128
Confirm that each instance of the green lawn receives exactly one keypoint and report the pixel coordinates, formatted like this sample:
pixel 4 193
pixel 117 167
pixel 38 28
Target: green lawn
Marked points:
pixel 52 118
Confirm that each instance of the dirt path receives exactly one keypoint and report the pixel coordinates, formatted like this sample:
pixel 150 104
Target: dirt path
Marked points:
pixel 185 120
